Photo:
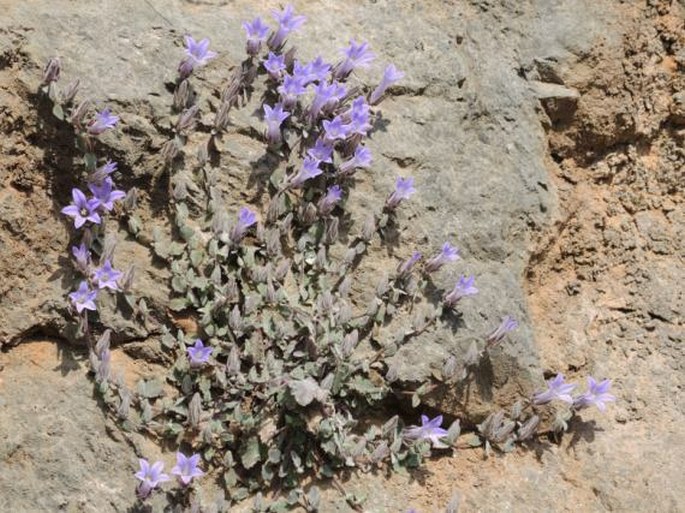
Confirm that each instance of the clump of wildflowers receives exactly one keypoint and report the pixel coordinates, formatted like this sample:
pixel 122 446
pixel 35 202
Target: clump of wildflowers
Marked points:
pixel 284 361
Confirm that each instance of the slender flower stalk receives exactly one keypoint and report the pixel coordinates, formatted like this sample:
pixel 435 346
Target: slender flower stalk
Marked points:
pixel 390 76
pixel 464 287
pixel 404 188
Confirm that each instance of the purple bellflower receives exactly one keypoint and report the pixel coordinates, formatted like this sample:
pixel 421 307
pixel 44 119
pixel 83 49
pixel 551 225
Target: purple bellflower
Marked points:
pixel 303 72
pixel 464 287
pixel 390 76
pixel 360 159
pixel 82 257
pixel 150 477
pixel 290 89
pixel 84 298
pixel 275 65
pixel 405 267
pixel 98 176
pixel 82 209
pixel 335 129
pixel 287 22
pixel 318 69
pixel 597 394
pixel 428 430
pixel 507 325
pixel 310 169
pixel 404 188
pixel 326 98
pixel 197 54
pixel 198 354
pixel 105 194
pixel 257 32
pixel 556 389
pixel 274 116
pixel 330 200
pixel 359 116
pixel 107 277
pixel 187 468
pixel 447 254
pixel 321 151
pixel 104 120
pixel 356 56
pixel 246 218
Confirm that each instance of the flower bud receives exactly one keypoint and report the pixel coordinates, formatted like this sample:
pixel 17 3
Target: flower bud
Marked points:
pixel 51 71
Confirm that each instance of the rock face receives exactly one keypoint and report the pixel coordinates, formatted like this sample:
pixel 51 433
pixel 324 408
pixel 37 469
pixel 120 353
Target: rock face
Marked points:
pixel 483 81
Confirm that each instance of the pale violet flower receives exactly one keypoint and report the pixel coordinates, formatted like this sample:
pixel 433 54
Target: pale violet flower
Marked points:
pixel 404 188
pixel 357 55
pixel 198 354
pixel 257 32
pixel 360 159
pixel 330 200
pixel 390 76
pixel 106 194
pixel 448 253
pixel 197 54
pixel 107 277
pixel 274 65
pixel 430 429
pixel 187 468
pixel 246 218
pixel 464 287
pixel 104 120
pixel 274 116
pixel 556 389
pixel 597 394
pixel 310 169
pixel 150 476
pixel 82 209
pixel 83 298
pixel 507 325
pixel 288 22
pixel 335 129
